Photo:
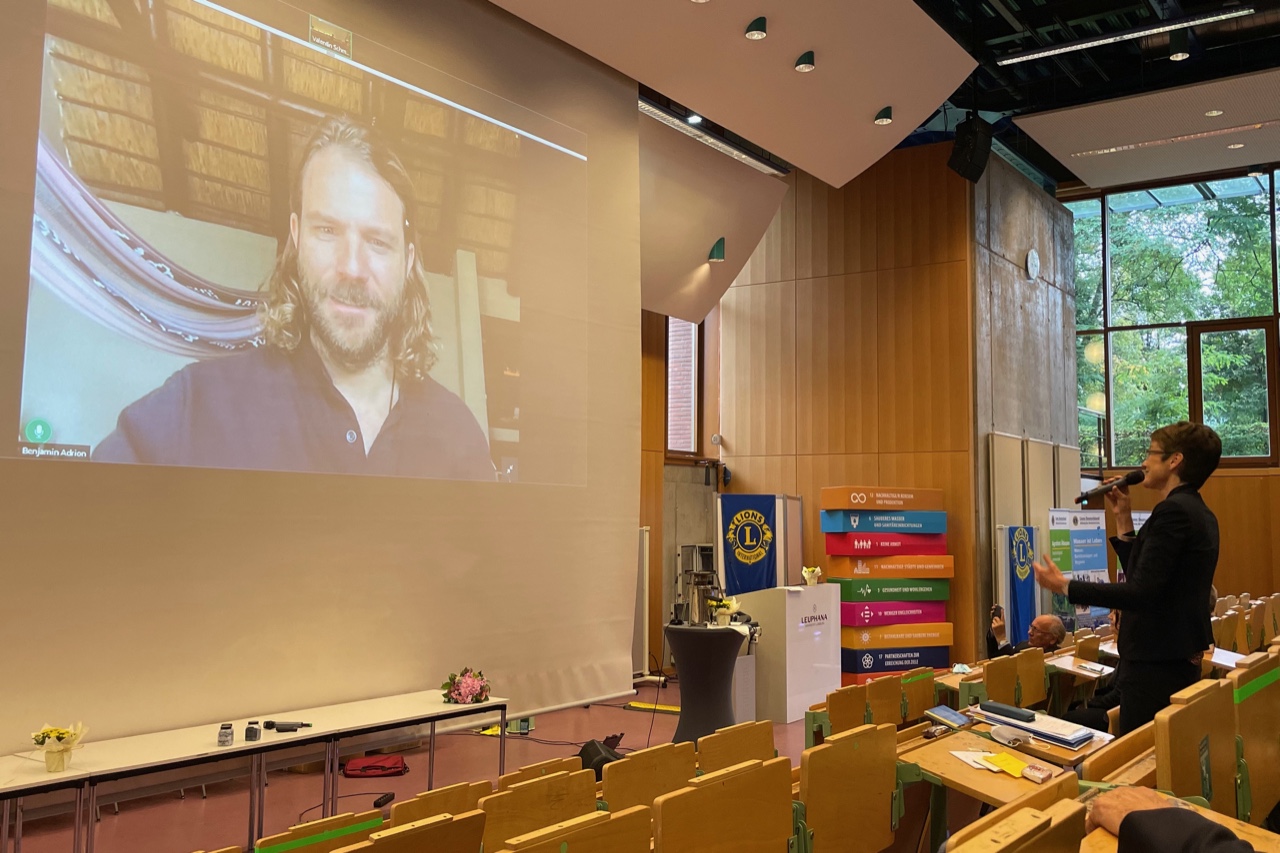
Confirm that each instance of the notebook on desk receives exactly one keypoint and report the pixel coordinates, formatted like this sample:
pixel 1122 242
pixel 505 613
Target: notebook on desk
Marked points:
pixel 1047 728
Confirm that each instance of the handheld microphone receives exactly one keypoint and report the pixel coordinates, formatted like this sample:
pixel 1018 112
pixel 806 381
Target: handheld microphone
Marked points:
pixel 282 726
pixel 1133 478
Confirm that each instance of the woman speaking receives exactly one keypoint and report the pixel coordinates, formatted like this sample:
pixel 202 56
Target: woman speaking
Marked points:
pixel 1168 568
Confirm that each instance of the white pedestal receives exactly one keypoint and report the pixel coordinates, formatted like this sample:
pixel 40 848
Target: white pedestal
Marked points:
pixel 798 655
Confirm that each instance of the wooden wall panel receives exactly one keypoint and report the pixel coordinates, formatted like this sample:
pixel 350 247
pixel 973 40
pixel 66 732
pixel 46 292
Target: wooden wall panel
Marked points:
pixel 815 472
pixel 922 207
pixel 652 463
pixel 653 383
pixel 1247 504
pixel 819 228
pixel 925 358
pixel 837 393
pixel 758 370
pixel 762 475
pixel 953 473
pixel 774 259
pixel 710 403
pixel 861 221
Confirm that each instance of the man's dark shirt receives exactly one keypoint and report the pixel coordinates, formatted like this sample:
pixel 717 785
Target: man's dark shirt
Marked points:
pixel 1168 570
pixel 996 649
pixel 277 411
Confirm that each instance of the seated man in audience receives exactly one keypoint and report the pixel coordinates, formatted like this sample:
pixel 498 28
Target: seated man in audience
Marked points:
pixel 1145 822
pixel 1046 632
pixel 1092 713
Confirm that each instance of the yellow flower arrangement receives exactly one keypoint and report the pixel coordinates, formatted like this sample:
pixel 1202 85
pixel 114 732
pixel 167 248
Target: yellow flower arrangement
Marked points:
pixel 53 733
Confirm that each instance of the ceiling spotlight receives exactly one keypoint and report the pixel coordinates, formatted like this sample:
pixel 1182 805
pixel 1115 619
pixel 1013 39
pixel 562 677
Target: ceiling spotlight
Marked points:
pixel 717 252
pixel 694 118
pixel 885 116
pixel 1257 172
pixel 1179 42
pixel 1213 113
pixel 804 63
pixel 699 1
pixel 1235 145
pixel 756 29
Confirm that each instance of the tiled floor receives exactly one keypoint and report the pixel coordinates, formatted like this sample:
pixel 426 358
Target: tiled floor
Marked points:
pixel 169 824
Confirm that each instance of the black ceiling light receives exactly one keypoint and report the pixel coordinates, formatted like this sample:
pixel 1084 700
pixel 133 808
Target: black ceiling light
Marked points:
pixel 1179 45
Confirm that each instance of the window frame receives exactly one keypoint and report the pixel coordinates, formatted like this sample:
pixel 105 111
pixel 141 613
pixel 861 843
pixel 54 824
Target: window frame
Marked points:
pixel 1193 328
pixel 1195 381
pixel 675 454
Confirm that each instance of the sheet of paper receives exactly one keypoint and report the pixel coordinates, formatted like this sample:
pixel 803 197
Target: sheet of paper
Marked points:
pixel 972 758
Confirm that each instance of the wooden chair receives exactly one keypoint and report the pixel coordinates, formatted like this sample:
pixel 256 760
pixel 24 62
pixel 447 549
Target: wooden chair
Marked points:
pixel 846 785
pixel 440 834
pixel 1257 721
pixel 1032 685
pixel 455 799
pixel 626 831
pixel 884 698
pixel 1087 649
pixel 1195 745
pixel 1000 677
pixel 1128 760
pixel 1272 619
pixel 1063 787
pixel 1060 828
pixel 1256 635
pixel 537 803
pixel 1081 634
pixel 847 708
pixel 1224 630
pixel 920 692
pixel 329 834
pixel 1242 632
pixel 647 774
pixel 741 809
pixel 735 744
pixel 542 768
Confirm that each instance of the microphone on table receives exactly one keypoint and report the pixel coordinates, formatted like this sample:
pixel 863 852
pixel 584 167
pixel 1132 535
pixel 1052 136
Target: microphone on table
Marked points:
pixel 1133 478
pixel 282 726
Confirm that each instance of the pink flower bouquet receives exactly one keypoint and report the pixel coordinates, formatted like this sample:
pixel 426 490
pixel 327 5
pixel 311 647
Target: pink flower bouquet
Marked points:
pixel 466 688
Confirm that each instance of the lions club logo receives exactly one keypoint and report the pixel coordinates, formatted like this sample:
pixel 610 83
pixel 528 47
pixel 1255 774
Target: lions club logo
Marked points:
pixel 750 536
pixel 1020 553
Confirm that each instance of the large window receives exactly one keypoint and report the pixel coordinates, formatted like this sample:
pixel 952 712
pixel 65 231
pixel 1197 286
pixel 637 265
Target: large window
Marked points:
pixel 682 386
pixel 1176 316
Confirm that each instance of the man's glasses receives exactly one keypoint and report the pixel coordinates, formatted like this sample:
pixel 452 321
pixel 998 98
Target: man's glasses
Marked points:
pixel 1157 451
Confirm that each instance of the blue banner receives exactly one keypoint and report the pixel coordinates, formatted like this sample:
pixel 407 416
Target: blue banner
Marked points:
pixel 750 552
pixel 1022 584
pixel 860 661
pixel 883 521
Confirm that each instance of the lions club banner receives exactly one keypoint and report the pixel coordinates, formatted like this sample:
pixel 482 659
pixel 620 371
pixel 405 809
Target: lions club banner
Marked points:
pixel 750 553
pixel 1022 586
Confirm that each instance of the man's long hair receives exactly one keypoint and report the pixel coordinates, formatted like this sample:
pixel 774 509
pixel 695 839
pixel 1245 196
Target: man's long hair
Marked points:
pixel 283 313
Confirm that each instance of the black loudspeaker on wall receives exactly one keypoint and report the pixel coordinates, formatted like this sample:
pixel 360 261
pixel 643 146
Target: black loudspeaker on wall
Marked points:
pixel 595 756
pixel 972 148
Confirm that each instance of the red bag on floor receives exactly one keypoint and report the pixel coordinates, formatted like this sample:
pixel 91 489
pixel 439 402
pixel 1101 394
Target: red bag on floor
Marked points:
pixel 375 765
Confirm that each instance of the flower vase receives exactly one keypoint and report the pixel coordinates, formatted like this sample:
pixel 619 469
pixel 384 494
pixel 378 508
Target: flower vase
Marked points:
pixel 56 760
pixel 723 617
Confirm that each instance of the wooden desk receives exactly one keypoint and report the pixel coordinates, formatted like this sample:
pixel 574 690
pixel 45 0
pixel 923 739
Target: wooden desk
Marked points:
pixel 1101 841
pixel 951 681
pixel 1058 756
pixel 122 758
pixel 994 789
pixel 1071 664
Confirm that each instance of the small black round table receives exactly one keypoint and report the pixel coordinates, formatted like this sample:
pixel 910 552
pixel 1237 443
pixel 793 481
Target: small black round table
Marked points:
pixel 704 658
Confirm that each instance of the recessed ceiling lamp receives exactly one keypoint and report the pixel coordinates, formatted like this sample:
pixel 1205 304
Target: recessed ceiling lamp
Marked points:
pixel 1235 145
pixel 1179 42
pixel 1223 14
pixel 885 116
pixel 1213 113
pixel 805 63
pixel 717 252
pixel 699 1
pixel 756 29
pixel 694 118
pixel 1257 172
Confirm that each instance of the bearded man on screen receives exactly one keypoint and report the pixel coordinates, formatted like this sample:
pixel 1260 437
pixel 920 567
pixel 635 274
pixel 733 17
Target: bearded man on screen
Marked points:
pixel 341 385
